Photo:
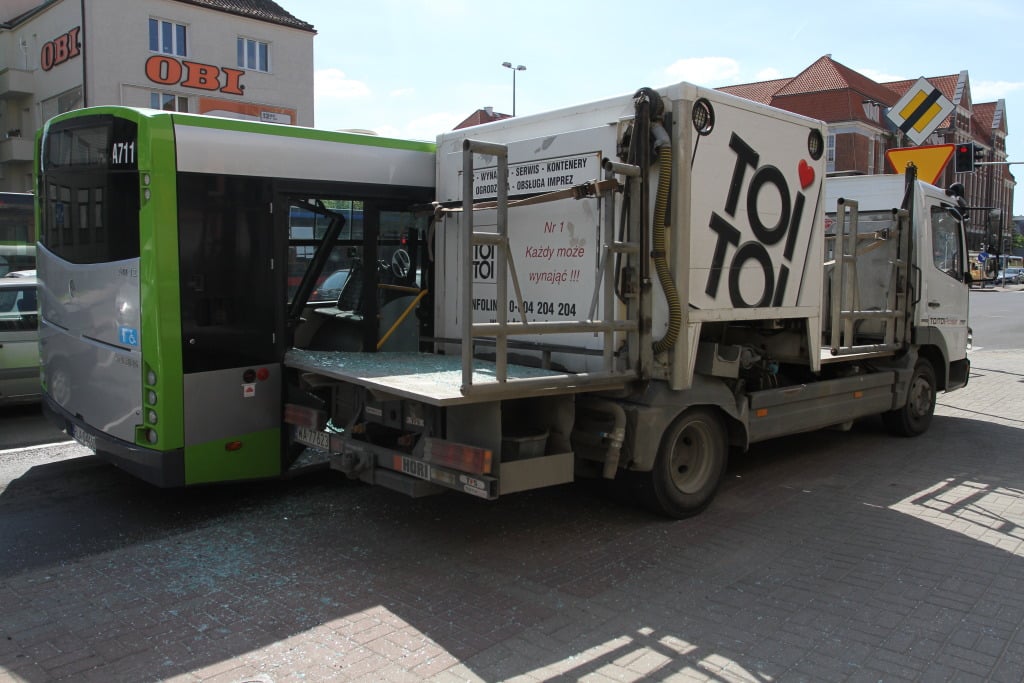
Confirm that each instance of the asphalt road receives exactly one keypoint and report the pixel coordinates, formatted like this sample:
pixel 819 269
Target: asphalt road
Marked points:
pixel 25 425
pixel 997 317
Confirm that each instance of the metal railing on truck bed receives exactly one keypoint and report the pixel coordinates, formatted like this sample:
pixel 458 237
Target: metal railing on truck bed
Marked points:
pixel 845 312
pixel 445 380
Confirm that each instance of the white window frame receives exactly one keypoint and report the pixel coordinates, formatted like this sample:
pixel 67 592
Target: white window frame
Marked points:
pixel 179 43
pixel 249 61
pixel 179 100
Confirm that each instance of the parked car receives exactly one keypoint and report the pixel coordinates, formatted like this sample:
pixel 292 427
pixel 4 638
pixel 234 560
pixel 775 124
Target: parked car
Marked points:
pixel 331 287
pixel 1010 276
pixel 19 339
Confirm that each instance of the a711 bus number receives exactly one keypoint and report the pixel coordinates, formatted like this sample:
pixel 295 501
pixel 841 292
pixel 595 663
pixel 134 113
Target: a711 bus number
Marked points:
pixel 122 154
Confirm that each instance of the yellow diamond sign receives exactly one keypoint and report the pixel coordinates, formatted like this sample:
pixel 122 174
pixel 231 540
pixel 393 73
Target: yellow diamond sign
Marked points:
pixel 930 160
pixel 920 111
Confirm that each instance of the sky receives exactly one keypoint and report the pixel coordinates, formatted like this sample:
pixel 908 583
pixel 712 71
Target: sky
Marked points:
pixel 416 68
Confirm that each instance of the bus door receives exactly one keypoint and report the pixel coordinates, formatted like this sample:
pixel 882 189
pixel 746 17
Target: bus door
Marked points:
pixel 355 269
pixel 231 373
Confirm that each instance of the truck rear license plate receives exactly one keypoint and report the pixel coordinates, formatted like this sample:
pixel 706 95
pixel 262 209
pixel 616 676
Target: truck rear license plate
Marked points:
pixel 313 438
pixel 83 437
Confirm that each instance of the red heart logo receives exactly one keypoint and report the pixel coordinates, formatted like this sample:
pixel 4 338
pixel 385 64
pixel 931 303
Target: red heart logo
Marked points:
pixel 806 174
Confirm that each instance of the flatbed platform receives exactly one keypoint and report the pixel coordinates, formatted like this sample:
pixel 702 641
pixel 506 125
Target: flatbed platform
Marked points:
pixel 437 379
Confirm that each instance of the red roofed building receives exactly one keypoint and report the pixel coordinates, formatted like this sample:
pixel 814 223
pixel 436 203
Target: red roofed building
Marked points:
pixel 245 59
pixel 859 132
pixel 485 115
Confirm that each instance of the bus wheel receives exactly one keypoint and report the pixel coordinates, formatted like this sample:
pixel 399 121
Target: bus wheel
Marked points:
pixel 915 416
pixel 690 464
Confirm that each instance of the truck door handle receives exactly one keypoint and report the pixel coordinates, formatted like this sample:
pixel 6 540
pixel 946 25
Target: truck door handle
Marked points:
pixel 934 304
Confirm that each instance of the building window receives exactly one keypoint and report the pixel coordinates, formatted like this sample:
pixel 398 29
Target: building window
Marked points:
pixel 167 37
pixel 871 156
pixel 168 101
pixel 66 101
pixel 253 54
pixel 830 154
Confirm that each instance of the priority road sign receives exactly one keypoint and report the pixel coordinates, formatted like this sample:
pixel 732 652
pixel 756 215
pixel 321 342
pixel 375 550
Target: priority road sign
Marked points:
pixel 920 111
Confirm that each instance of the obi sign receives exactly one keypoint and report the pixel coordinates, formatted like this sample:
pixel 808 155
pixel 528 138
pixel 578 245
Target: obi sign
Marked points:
pixel 59 50
pixel 169 71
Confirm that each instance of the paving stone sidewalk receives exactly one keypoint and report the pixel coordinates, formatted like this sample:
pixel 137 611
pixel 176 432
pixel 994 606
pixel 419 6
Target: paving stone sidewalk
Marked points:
pixel 827 557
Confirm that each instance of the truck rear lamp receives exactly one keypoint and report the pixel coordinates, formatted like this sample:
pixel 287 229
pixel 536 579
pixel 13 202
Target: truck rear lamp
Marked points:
pixel 703 117
pixel 303 416
pixel 151 436
pixel 815 144
pixel 152 417
pixel 457 456
pixel 232 446
pixel 262 374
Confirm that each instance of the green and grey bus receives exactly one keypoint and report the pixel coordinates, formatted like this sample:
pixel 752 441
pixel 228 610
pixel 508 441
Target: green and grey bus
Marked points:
pixel 180 256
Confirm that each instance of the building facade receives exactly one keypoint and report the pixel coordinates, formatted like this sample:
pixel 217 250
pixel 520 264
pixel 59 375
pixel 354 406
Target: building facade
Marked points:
pixel 238 58
pixel 860 132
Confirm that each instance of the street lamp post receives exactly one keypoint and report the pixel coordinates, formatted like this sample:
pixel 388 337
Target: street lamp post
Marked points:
pixel 508 65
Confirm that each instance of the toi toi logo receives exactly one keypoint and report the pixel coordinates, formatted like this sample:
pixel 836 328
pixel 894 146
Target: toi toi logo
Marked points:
pixel 786 225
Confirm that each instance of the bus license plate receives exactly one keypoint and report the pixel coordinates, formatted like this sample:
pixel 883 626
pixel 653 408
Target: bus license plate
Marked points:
pixel 83 437
pixel 313 438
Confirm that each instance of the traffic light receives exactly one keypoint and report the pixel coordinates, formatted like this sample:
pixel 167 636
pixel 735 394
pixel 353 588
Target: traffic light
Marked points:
pixel 979 153
pixel 964 156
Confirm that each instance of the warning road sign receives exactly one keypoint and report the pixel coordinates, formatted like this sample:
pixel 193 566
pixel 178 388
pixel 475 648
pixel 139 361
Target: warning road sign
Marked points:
pixel 920 111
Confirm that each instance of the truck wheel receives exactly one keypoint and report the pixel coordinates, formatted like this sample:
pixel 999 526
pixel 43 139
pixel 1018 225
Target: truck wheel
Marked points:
pixel 914 417
pixel 690 464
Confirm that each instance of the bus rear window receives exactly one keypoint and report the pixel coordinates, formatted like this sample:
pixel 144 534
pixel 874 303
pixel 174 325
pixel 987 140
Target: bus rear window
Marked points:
pixel 91 141
pixel 82 146
pixel 89 190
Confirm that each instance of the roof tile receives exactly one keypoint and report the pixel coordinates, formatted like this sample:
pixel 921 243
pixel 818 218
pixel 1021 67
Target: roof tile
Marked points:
pixel 261 10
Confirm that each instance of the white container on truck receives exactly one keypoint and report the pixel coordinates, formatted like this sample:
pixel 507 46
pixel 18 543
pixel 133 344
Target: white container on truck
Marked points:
pixel 636 286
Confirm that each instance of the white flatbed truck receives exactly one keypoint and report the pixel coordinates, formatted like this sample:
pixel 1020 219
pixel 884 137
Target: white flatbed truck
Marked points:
pixel 640 284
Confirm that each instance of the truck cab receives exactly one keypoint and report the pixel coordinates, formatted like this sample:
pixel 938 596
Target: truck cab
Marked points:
pixel 939 269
